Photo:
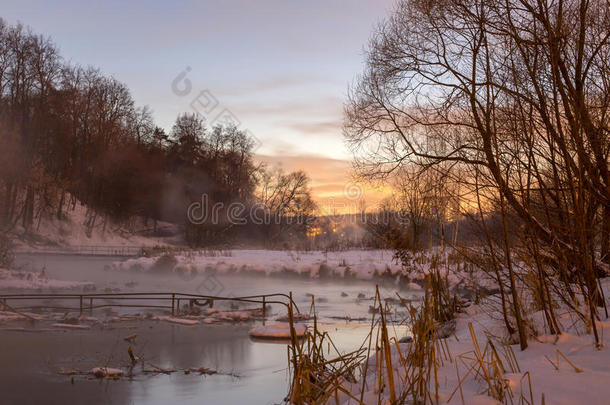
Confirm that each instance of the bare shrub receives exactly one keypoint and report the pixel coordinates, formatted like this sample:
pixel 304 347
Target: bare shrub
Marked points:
pixel 6 252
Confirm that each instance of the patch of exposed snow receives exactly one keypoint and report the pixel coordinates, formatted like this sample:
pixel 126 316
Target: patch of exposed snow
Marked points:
pixel 278 331
pixel 70 326
pixel 102 372
pixel 74 230
pixel 179 321
pixel 295 317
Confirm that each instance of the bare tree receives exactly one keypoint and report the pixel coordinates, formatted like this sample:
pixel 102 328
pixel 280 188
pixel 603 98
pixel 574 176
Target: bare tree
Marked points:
pixel 287 199
pixel 515 90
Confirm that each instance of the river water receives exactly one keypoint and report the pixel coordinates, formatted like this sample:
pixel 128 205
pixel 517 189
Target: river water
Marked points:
pixel 249 372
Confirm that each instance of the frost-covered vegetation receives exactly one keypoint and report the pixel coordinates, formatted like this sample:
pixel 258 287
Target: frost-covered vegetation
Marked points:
pixel 494 113
pixel 459 351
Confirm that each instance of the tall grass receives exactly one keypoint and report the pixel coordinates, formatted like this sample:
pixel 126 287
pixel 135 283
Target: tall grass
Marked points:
pixel 399 373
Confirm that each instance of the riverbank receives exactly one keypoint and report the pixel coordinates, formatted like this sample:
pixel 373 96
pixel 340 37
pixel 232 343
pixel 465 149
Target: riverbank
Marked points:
pixel 480 364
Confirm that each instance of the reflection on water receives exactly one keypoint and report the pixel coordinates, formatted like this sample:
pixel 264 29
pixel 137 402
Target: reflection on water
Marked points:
pixel 250 372
pixel 31 360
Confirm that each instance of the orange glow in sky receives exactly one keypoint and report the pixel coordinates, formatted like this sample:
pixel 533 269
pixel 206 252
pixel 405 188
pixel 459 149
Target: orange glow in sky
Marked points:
pixel 333 185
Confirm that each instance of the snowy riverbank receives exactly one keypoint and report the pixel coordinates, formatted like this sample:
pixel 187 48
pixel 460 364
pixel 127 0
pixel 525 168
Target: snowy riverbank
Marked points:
pixel 359 264
pixel 582 381
pixel 564 369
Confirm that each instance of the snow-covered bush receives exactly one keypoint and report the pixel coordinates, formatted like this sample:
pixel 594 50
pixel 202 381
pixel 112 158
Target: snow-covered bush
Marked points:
pixel 164 264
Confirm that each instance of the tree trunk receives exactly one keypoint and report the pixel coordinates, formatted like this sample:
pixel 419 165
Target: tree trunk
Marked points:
pixel 605 236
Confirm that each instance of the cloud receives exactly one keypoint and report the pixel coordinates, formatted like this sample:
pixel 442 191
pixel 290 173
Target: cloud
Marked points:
pixel 279 107
pixel 315 127
pixel 273 83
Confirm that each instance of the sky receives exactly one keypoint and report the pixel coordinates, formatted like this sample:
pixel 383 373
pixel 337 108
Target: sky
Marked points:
pixel 278 68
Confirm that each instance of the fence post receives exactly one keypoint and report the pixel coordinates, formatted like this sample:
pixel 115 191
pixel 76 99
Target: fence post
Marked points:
pixel 91 305
pixel 264 305
pixel 81 305
pixel 173 298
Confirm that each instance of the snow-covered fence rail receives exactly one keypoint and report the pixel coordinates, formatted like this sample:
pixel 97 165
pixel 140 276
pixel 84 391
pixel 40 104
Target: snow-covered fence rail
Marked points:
pixel 90 250
pixel 164 300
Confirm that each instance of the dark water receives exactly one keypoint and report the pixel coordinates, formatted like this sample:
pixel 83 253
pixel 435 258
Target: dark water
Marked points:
pixel 250 372
pixel 30 361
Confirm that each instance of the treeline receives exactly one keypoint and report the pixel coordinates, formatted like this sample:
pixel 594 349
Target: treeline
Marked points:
pixel 70 133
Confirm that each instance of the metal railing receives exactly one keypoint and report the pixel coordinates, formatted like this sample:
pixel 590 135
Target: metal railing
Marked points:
pixel 89 250
pixel 160 300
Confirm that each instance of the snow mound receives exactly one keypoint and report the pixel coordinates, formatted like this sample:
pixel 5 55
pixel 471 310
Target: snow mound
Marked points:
pixel 179 321
pixel 279 331
pixel 101 372
pixel 70 326
pixel 295 317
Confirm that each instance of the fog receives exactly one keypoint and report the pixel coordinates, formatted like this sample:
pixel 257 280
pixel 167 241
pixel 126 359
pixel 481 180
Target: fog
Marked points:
pixel 247 370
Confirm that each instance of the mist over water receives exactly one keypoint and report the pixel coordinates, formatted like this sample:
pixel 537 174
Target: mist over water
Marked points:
pixel 249 371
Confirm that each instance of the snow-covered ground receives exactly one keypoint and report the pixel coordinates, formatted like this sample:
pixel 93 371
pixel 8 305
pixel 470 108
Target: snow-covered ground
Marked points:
pixel 278 331
pixel 564 370
pixel 361 264
pixel 75 229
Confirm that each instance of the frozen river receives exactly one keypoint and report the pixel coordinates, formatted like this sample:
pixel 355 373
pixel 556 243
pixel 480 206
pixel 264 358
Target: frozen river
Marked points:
pixel 250 372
